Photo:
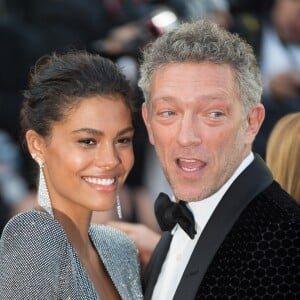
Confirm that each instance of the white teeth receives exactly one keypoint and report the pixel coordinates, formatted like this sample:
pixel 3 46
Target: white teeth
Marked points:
pixel 188 160
pixel 100 181
pixel 189 169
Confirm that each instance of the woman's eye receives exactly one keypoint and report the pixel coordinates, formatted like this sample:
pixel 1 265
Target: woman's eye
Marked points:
pixel 87 141
pixel 125 140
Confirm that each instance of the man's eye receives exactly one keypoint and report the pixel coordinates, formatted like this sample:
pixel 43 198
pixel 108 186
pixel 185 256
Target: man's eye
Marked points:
pixel 216 114
pixel 167 114
pixel 87 141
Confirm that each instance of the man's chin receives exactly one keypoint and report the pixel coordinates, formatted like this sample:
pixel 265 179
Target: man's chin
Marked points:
pixel 189 197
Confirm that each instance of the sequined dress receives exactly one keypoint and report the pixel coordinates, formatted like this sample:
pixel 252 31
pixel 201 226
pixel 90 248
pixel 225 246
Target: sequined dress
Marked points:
pixel 38 262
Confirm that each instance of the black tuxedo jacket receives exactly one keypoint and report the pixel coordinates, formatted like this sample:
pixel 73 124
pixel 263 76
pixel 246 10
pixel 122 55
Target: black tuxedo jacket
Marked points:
pixel 248 249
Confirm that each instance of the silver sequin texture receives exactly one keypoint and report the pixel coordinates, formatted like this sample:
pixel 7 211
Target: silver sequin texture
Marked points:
pixel 43 194
pixel 38 262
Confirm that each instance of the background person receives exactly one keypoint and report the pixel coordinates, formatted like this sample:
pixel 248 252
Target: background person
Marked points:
pixel 283 153
pixel 274 33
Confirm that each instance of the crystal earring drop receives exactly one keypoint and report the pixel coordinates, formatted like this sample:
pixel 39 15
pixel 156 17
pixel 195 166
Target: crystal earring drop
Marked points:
pixel 119 210
pixel 43 194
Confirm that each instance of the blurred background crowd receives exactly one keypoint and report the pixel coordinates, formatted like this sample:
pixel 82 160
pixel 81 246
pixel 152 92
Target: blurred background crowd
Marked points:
pixel 119 29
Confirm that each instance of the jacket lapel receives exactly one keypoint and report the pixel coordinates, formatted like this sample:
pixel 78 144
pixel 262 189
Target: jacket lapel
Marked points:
pixel 153 269
pixel 252 181
pixel 114 256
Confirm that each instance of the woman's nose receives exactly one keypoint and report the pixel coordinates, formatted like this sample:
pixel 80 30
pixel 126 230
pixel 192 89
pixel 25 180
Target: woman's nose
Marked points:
pixel 107 156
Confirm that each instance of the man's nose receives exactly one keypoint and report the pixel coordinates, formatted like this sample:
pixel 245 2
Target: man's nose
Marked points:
pixel 189 132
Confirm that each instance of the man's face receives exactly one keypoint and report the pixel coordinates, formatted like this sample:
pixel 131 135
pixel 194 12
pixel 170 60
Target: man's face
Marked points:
pixel 197 127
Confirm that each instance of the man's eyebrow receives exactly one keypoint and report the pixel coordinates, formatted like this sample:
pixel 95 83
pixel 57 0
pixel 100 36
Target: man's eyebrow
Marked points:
pixel 210 97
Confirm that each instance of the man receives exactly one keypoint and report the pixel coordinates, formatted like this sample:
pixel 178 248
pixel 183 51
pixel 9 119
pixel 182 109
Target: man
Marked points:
pixel 202 110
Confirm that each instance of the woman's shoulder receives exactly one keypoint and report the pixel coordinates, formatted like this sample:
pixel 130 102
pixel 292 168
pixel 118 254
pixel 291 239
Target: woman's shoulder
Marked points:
pixel 32 226
pixel 33 257
pixel 33 219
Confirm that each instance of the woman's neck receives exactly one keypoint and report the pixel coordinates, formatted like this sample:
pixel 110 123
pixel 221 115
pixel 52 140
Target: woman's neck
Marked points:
pixel 77 229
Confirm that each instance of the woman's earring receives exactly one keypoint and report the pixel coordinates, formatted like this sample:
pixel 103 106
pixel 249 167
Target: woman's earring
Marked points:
pixel 119 210
pixel 43 194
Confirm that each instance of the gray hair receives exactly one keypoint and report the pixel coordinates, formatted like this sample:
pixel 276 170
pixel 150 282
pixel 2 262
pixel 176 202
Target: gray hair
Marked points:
pixel 204 41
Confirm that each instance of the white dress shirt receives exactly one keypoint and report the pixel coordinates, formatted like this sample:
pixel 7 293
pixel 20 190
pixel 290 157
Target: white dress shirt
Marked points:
pixel 182 245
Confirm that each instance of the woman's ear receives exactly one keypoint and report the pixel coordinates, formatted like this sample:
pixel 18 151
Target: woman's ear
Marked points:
pixel 35 144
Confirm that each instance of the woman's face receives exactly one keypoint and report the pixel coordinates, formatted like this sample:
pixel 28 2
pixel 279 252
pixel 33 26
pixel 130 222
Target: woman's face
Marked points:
pixel 89 155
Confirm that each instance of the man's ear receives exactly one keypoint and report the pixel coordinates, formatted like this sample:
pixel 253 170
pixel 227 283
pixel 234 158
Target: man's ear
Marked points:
pixel 35 143
pixel 146 118
pixel 254 121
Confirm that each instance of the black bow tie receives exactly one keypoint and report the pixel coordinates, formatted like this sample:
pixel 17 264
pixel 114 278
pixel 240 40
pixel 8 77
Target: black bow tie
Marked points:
pixel 169 213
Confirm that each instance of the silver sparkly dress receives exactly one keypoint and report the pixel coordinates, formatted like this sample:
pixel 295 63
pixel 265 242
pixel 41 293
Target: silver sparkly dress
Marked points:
pixel 38 262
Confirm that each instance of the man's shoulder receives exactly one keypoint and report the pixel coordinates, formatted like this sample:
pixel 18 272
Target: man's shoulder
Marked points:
pixel 271 218
pixel 279 202
pixel 271 210
pixel 261 252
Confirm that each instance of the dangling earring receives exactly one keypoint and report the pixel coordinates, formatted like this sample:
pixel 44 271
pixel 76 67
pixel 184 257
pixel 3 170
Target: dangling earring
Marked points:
pixel 43 194
pixel 119 211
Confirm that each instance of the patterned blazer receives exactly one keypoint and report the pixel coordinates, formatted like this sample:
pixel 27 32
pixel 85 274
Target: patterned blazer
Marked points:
pixel 249 248
pixel 38 262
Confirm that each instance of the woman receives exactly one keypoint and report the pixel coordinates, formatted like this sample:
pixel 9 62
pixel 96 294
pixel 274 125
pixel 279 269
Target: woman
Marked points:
pixel 283 153
pixel 77 125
